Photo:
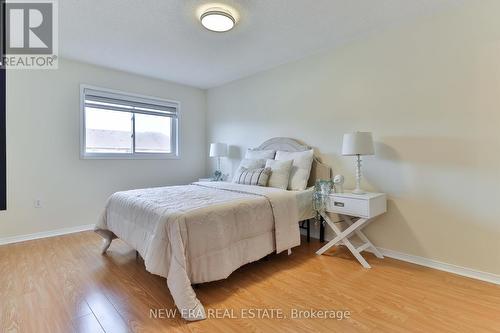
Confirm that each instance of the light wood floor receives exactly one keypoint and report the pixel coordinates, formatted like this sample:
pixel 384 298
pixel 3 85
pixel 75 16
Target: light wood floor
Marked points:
pixel 63 284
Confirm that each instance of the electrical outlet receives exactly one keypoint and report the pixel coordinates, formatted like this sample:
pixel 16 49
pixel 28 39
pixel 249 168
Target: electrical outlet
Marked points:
pixel 38 203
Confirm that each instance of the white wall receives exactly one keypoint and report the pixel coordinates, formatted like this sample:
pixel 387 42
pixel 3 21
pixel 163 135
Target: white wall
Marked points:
pixel 430 93
pixel 43 157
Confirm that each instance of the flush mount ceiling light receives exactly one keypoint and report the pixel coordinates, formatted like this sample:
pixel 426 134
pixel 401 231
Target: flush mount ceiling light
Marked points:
pixel 217 19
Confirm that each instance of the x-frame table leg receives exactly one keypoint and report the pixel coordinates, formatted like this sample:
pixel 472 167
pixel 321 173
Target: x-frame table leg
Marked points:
pixel 343 236
pixel 365 239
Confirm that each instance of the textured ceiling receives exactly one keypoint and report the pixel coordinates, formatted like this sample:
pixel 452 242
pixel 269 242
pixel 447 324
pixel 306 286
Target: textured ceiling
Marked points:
pixel 163 38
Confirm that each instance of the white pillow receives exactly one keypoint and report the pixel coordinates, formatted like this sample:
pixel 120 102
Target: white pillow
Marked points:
pixel 249 164
pixel 260 154
pixel 301 169
pixel 280 173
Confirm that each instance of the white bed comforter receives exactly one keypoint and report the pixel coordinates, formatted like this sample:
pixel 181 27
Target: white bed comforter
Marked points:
pixel 199 232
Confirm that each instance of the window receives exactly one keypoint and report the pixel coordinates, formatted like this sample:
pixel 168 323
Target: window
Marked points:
pixel 119 125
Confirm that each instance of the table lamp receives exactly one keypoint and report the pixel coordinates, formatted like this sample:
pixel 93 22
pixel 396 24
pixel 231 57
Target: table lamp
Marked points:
pixel 218 150
pixel 358 144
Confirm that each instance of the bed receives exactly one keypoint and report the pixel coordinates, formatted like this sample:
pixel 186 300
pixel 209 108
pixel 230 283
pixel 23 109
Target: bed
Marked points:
pixel 204 231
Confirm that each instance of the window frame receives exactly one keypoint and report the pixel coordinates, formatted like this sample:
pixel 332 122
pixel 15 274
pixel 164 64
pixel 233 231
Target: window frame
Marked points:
pixel 175 138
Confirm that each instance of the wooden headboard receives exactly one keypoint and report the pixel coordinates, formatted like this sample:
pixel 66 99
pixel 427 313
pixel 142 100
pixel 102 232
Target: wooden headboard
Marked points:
pixel 318 170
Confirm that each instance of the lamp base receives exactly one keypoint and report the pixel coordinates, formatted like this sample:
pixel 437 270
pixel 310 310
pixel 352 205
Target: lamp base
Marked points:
pixel 358 191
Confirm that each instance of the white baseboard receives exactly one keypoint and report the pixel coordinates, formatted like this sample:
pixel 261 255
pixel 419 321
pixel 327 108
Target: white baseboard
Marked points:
pixel 45 234
pixel 442 266
pixel 431 263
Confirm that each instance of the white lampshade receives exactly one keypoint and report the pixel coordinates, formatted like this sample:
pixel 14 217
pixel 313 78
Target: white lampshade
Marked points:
pixel 358 143
pixel 218 149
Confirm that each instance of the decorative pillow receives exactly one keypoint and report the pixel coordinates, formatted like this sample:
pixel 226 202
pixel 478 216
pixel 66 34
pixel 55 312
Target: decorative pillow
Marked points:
pixel 258 177
pixel 250 164
pixel 260 154
pixel 301 167
pixel 280 173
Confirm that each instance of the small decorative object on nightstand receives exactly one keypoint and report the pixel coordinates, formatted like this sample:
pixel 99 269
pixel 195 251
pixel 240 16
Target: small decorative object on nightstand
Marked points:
pixel 363 206
pixel 322 189
pixel 206 180
pixel 338 183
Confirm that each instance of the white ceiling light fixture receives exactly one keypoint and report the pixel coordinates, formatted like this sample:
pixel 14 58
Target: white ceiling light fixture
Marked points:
pixel 217 19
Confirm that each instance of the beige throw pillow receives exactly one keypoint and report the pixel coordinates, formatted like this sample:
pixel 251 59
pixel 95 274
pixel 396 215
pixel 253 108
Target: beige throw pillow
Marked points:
pixel 301 167
pixel 280 173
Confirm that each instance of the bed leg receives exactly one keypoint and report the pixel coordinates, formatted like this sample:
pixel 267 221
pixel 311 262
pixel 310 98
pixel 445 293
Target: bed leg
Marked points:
pixel 308 230
pixel 106 242
pixel 136 254
pixel 289 251
pixel 321 230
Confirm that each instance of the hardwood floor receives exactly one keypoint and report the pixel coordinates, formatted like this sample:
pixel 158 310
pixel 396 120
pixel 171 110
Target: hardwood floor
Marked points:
pixel 63 284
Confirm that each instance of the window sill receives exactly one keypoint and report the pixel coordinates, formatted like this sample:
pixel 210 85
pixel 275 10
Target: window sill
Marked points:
pixel 129 157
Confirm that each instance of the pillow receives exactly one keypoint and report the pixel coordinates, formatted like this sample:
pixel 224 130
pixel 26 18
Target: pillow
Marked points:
pixel 258 177
pixel 301 167
pixel 260 154
pixel 280 173
pixel 250 164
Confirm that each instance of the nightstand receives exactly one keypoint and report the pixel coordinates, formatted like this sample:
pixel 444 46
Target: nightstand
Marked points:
pixel 364 207
pixel 205 180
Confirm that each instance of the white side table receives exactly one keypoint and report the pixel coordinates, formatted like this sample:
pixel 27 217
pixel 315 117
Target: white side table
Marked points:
pixel 363 206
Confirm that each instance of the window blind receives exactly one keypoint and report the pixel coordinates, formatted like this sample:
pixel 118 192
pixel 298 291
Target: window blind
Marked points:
pixel 117 102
